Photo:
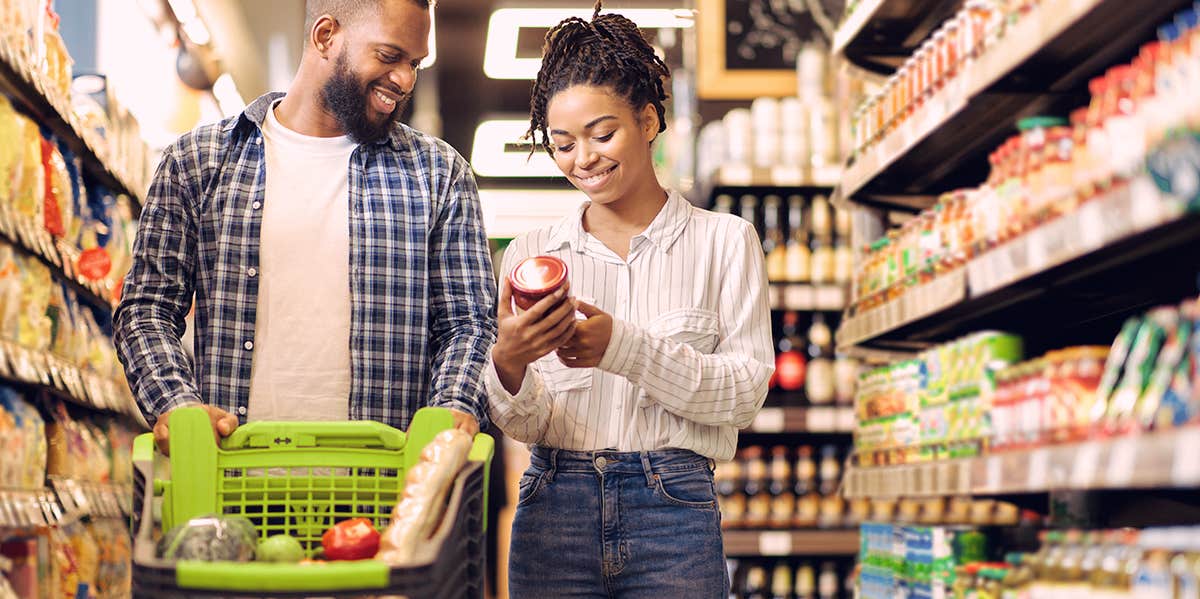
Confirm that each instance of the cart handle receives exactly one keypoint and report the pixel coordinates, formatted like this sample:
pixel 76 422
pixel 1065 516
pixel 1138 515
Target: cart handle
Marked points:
pixel 283 435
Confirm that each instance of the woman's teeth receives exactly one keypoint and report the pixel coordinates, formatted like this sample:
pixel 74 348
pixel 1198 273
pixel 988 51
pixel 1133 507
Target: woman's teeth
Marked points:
pixel 596 177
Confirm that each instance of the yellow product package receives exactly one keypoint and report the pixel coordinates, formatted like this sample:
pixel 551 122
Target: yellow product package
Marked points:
pixel 30 184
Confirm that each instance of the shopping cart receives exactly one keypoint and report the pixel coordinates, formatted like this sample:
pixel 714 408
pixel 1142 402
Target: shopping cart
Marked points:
pixel 300 478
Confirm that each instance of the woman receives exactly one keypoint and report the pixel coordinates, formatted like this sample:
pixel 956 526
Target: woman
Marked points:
pixel 627 408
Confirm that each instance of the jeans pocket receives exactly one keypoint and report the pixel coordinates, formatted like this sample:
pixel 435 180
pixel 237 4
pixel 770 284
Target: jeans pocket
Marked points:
pixel 530 487
pixel 690 488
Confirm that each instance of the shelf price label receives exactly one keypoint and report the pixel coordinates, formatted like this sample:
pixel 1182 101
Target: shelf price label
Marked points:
pixel 1085 465
pixel 846 420
pixel 736 174
pixel 1185 467
pixel 769 420
pixel 992 474
pixel 787 174
pixel 775 543
pixel 1121 460
pixel 1039 468
pixel 821 420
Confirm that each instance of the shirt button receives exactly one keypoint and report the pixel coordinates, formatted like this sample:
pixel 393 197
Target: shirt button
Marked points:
pixel 256 205
pixel 258 141
pixel 252 271
pixel 601 462
pixel 242 410
pixel 249 345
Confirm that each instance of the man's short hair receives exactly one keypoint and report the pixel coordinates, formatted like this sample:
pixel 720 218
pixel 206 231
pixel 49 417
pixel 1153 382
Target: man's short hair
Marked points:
pixel 344 10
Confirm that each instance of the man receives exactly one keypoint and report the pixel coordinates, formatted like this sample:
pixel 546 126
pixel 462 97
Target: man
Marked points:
pixel 337 257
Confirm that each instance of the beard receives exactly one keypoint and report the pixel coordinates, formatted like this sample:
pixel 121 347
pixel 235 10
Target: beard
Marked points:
pixel 346 97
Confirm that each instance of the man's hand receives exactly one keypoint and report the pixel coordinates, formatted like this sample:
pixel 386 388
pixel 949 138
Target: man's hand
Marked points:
pixel 587 346
pixel 523 338
pixel 465 422
pixel 223 424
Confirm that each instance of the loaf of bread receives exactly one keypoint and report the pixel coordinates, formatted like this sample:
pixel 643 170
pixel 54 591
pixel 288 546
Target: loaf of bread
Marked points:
pixel 416 516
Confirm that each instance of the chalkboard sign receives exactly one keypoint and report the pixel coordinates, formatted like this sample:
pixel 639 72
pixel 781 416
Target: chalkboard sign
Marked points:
pixel 748 47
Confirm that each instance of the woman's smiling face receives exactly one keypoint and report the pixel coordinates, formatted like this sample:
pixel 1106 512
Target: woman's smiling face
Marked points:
pixel 599 141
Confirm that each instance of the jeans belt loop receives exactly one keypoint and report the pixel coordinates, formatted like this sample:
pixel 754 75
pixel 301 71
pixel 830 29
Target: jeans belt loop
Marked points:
pixel 553 464
pixel 647 468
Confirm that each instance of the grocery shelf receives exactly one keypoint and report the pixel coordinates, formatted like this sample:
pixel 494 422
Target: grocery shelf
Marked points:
pixel 27 93
pixel 815 419
pixel 748 543
pixel 64 500
pixel 807 298
pixel 1116 255
pixel 915 306
pixel 105 500
pixel 60 257
pixel 880 34
pixel 1165 459
pixel 1040 66
pixel 28 509
pixel 47 371
pixel 786 176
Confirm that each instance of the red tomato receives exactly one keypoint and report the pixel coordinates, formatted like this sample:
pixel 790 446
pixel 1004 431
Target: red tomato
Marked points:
pixel 350 540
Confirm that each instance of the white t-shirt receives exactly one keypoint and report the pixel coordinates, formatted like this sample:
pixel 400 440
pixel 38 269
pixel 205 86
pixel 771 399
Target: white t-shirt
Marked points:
pixel 301 368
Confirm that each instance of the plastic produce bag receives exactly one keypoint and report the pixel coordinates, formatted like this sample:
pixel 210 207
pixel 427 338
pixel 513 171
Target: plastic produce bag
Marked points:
pixel 210 538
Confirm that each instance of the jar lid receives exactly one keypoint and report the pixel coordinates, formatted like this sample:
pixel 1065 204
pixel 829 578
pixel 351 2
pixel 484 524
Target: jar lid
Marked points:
pixel 538 274
pixel 1040 122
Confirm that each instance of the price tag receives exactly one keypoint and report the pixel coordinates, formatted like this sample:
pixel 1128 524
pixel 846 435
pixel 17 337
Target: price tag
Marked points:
pixel 768 420
pixel 799 297
pixel 1185 470
pixel 1121 460
pixel 33 510
pixel 992 475
pixel 775 296
pixel 784 175
pixel 81 501
pixel 775 543
pixel 827 176
pixel 829 297
pixel 821 420
pixel 1085 465
pixel 846 420
pixel 1039 467
pixel 964 478
pixel 736 174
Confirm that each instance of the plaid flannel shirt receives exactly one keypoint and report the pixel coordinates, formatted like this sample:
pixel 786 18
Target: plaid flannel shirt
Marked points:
pixel 421 282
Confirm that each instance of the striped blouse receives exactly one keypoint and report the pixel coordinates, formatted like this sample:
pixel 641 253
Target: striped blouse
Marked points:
pixel 690 354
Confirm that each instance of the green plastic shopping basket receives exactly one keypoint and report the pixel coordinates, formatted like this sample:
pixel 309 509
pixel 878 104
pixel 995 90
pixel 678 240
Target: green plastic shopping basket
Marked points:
pixel 300 478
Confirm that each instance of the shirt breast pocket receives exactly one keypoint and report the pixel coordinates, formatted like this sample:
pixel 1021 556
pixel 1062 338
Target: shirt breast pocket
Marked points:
pixel 696 327
pixel 561 379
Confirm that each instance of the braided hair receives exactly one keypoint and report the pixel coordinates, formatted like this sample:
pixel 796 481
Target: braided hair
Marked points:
pixel 608 51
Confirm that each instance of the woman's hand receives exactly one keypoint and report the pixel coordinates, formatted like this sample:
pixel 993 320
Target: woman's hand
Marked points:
pixel 585 348
pixel 522 338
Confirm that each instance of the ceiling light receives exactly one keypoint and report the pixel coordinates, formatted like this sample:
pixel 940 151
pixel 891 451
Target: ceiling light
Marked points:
pixel 500 59
pixel 499 151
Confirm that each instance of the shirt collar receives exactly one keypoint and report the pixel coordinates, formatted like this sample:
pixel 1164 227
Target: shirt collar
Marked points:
pixel 663 231
pixel 256 112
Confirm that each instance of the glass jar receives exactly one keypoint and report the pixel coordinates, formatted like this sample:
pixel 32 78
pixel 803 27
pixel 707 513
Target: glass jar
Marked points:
pixel 1057 191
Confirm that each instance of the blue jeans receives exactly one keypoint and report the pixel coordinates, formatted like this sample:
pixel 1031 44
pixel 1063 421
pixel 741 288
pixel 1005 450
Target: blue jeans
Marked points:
pixel 608 524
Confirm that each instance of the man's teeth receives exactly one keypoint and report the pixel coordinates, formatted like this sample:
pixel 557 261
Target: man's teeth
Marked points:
pixel 385 99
